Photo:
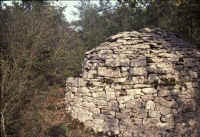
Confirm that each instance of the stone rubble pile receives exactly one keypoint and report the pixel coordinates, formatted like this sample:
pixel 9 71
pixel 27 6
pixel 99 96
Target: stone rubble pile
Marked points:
pixel 139 84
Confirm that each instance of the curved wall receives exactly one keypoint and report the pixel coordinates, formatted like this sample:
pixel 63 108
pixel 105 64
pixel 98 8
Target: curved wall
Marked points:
pixel 139 84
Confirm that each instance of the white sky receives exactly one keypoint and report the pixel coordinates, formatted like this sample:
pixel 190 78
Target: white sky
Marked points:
pixel 69 15
pixel 70 10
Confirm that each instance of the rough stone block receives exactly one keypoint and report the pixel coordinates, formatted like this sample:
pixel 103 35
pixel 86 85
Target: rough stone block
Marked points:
pixel 108 72
pixel 139 62
pixel 138 71
pixel 149 90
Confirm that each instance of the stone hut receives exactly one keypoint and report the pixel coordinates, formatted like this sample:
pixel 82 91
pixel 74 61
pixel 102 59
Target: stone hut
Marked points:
pixel 139 84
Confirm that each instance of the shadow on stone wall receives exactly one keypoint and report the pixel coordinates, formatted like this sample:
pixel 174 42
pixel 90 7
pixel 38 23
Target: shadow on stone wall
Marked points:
pixel 184 89
pixel 187 93
pixel 187 117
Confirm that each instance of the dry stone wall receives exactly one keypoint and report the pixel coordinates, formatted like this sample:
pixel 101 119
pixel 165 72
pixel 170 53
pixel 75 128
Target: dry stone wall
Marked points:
pixel 139 84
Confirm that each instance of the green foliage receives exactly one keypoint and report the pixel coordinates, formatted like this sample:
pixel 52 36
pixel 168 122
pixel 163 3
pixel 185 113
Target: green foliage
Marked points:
pixel 100 21
pixel 96 23
pixel 180 16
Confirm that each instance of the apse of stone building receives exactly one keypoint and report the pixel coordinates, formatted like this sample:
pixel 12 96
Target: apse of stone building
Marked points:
pixel 138 84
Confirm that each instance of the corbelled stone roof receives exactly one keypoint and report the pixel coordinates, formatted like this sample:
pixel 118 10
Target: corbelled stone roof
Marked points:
pixel 139 84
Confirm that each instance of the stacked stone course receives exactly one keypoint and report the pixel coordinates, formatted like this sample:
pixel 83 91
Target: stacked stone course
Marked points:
pixel 139 84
